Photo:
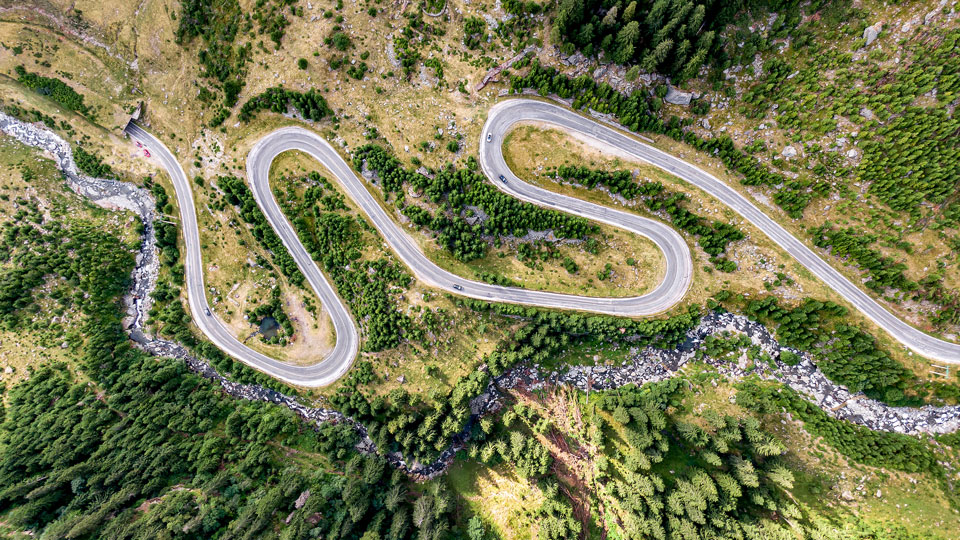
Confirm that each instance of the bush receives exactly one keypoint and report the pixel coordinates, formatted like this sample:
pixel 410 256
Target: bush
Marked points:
pixel 311 105
pixel 55 89
pixel 91 164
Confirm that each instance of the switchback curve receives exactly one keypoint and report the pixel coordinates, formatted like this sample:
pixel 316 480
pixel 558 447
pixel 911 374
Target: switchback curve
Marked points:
pixel 331 368
pixel 505 114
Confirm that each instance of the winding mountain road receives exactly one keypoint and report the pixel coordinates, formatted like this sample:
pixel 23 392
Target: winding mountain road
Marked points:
pixel 501 119
pixel 331 368
pixel 504 115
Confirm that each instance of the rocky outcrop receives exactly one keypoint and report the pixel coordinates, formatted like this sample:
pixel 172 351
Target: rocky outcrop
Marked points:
pixel 494 72
pixel 932 14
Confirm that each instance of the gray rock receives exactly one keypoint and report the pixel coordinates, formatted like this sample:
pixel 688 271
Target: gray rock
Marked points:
pixel 576 59
pixel 789 152
pixel 852 153
pixel 677 97
pixel 871 32
pixel 302 500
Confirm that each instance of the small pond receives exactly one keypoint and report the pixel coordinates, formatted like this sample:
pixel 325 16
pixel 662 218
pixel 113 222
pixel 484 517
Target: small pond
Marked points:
pixel 269 327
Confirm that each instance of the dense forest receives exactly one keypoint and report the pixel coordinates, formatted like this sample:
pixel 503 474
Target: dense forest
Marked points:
pixel 733 485
pixel 84 461
pixel 672 37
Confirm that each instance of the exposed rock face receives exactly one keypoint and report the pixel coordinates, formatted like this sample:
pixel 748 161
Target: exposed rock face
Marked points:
pixel 677 97
pixel 576 59
pixel 477 216
pixel 789 152
pixel 494 72
pixel 870 33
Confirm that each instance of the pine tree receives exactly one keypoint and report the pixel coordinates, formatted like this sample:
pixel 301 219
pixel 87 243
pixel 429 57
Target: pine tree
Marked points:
pixel 780 475
pixel 422 512
pixel 654 58
pixel 696 19
pixel 610 19
pixel 656 15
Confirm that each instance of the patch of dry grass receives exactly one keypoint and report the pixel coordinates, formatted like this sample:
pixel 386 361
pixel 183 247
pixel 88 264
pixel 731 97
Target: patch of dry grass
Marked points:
pixel 505 501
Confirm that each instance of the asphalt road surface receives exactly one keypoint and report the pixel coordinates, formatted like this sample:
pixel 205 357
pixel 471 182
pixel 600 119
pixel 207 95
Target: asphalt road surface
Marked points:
pixel 666 294
pixel 506 114
pixel 502 117
pixel 331 368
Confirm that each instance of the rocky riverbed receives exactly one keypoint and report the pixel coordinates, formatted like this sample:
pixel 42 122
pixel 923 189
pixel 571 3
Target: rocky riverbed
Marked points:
pixel 646 365
pixel 110 194
pixel 651 365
